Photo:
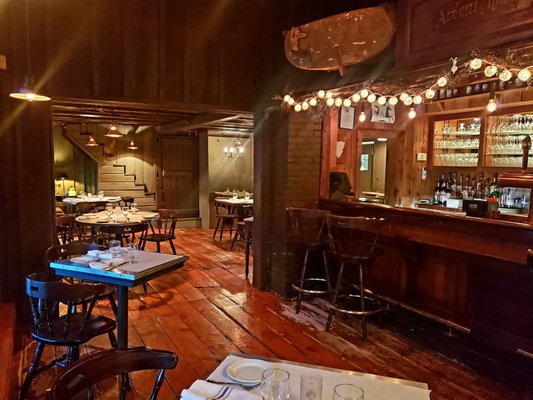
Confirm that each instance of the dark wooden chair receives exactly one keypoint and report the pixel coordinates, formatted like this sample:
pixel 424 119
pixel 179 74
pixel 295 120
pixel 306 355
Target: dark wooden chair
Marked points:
pixel 126 201
pixel 240 236
pixel 225 219
pixel 162 230
pixel 72 329
pixel 65 228
pixel 67 250
pixel 353 241
pixel 105 364
pixel 124 233
pixel 307 233
pixel 90 206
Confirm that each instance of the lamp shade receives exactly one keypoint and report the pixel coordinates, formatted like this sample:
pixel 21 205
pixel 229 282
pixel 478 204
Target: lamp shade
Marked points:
pixel 91 142
pixel 113 132
pixel 27 92
pixel 62 176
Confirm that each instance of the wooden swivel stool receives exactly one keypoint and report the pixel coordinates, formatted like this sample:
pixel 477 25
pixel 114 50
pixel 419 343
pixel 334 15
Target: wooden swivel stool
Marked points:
pixel 308 234
pixel 353 243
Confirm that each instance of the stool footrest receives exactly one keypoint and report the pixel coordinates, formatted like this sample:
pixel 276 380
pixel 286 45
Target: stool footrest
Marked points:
pixel 312 291
pixel 374 308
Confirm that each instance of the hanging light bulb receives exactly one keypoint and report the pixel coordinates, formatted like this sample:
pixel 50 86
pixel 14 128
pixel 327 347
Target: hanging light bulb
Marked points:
pixel 356 97
pixel 382 100
pixel 291 102
pixel 505 75
pixel 91 142
pixel 132 146
pixel 113 131
pixel 312 102
pixel 524 75
pixel 330 102
pixel 338 102
pixel 393 100
pixel 362 117
pixel 430 93
pixel 442 81
pixel 371 98
pixel 408 100
pixel 329 95
pixel 412 113
pixel 491 105
pixel 490 71
pixel 417 99
pixel 321 94
pixel 364 93
pixel 475 63
pixel 286 98
pixel 346 103
pixel 298 107
pixel 28 91
pixel 305 105
pixel 403 96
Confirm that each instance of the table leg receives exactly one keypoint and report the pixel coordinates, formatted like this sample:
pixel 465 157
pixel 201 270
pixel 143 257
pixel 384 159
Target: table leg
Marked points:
pixel 247 256
pixel 122 318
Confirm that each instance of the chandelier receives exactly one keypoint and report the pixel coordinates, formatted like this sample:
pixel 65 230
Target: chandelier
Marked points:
pixel 235 150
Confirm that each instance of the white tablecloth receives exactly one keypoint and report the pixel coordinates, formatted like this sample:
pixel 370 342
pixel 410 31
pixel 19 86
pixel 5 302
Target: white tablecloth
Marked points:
pixel 375 387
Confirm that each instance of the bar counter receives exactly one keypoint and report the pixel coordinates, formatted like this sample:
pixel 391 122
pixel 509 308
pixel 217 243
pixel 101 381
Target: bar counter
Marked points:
pixel 468 273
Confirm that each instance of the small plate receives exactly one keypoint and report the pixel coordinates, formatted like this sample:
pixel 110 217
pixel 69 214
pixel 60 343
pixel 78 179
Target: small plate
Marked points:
pixel 82 259
pixel 247 372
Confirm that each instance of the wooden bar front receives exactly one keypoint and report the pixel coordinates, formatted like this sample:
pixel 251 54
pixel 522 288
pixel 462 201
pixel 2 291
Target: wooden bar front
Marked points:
pixel 469 273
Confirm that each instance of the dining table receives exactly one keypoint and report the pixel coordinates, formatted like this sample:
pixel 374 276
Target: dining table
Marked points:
pixel 147 266
pixel 117 218
pixel 240 371
pixel 73 201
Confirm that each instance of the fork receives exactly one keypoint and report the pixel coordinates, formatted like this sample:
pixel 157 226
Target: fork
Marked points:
pixel 245 387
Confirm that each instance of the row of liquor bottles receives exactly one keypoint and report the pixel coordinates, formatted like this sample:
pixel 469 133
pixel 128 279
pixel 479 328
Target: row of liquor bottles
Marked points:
pixel 468 187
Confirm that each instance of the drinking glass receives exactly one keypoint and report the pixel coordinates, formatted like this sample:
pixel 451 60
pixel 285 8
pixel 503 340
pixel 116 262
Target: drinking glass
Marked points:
pixel 114 247
pixel 133 249
pixel 126 211
pixel 109 210
pixel 275 384
pixel 347 391
pixel 100 194
pixel 246 196
pixel 133 208
pixel 311 387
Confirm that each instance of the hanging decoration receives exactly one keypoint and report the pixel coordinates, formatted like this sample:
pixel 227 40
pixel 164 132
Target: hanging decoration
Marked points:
pixel 385 93
pixel 236 150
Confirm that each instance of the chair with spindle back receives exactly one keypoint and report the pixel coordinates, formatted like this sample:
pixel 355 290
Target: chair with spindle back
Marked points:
pixel 68 250
pixel 124 233
pixel 126 201
pixel 96 367
pixel 71 329
pixel 246 212
pixel 65 228
pixel 225 219
pixel 307 234
pixel 353 241
pixel 162 230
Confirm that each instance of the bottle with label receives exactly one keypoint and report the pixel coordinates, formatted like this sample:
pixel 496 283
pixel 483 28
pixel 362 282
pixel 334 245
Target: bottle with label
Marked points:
pixel 459 188
pixel 442 190
pixel 466 188
pixel 436 197
pixel 494 191
pixel 453 186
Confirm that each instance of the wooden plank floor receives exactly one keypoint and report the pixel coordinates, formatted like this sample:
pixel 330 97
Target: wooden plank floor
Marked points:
pixel 207 309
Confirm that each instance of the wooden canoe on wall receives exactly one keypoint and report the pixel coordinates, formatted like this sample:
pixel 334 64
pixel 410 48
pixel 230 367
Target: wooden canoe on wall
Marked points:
pixel 341 40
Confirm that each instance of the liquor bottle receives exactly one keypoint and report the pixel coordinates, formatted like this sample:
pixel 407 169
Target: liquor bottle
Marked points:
pixel 480 192
pixel 442 191
pixel 459 188
pixel 472 188
pixel 494 190
pixel 466 188
pixel 453 186
pixel 448 189
pixel 436 197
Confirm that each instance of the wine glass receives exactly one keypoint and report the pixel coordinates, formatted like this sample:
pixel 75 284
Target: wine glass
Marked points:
pixel 114 247
pixel 109 210
pixel 133 249
pixel 134 208
pixel 126 211
pixel 275 384
pixel 348 392
pixel 101 194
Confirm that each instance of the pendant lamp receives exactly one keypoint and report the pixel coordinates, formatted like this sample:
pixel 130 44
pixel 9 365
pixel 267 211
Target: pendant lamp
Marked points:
pixel 28 91
pixel 113 131
pixel 132 145
pixel 91 142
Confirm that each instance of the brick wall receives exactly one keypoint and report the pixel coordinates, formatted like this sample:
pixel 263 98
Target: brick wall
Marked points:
pixel 287 150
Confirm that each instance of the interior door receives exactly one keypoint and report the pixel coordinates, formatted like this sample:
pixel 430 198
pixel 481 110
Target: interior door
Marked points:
pixel 180 176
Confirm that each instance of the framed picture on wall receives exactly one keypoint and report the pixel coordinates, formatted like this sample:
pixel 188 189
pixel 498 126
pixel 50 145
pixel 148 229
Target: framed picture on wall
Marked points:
pixel 364 162
pixel 347 118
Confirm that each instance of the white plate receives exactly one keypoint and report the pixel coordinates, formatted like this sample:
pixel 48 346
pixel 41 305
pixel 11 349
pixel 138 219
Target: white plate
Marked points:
pixel 247 371
pixel 82 259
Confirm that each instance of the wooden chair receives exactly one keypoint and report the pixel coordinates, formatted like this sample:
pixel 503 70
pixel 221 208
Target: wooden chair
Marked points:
pixel 67 250
pixel 225 218
pixel 162 230
pixel 110 363
pixel 353 241
pixel 124 233
pixel 126 201
pixel 65 228
pixel 72 329
pixel 240 236
pixel 308 234
pixel 90 206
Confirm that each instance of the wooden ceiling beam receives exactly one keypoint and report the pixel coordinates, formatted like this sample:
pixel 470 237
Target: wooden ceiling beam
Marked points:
pixel 196 122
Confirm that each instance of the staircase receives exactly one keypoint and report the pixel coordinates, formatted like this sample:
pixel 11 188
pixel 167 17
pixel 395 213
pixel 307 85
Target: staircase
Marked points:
pixel 114 181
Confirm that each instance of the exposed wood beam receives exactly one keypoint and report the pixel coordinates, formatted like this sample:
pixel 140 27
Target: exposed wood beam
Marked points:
pixel 195 122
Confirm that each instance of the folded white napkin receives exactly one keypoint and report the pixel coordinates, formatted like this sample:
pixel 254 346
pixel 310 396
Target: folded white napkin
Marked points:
pixel 105 256
pixel 95 253
pixel 107 264
pixel 202 390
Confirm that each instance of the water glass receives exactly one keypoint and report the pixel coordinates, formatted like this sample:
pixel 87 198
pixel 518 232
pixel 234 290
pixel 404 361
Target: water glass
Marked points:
pixel 347 391
pixel 133 249
pixel 134 208
pixel 109 210
pixel 275 384
pixel 114 247
pixel 126 211
pixel 311 387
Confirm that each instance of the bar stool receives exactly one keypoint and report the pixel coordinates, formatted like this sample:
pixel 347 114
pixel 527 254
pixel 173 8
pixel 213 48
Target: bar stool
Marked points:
pixel 353 242
pixel 308 233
